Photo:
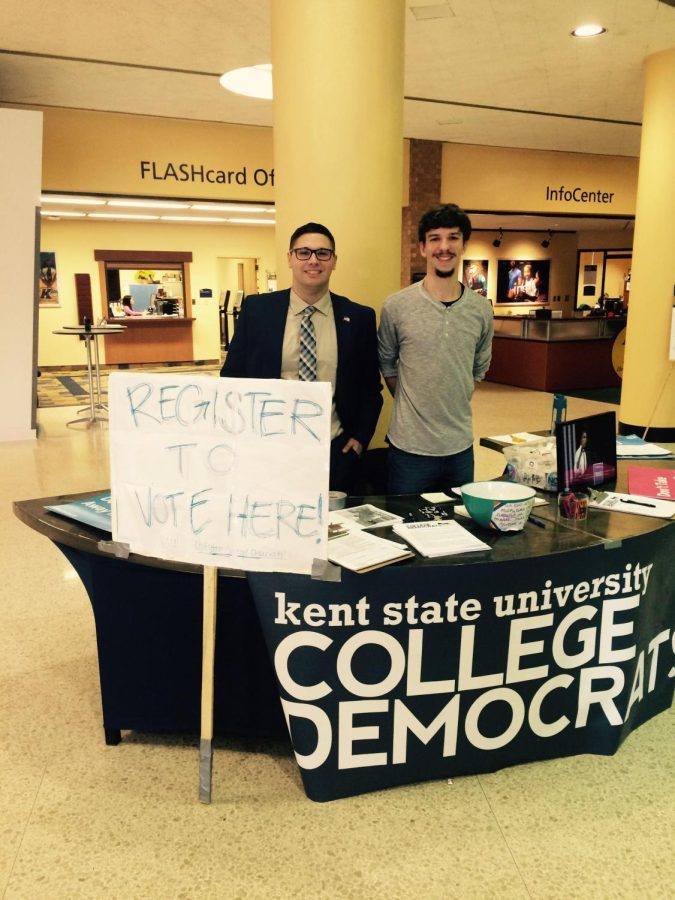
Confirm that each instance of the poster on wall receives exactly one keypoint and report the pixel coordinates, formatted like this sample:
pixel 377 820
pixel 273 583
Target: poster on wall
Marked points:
pixel 475 275
pixel 48 289
pixel 523 281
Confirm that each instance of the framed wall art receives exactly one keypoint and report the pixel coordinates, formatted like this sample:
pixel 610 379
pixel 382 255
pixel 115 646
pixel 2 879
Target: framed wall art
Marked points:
pixel 523 281
pixel 475 275
pixel 48 286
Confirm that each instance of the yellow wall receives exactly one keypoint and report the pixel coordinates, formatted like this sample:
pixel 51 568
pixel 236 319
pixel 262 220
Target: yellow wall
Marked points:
pixel 103 153
pixel 498 178
pixel 96 152
pixel 520 245
pixel 606 240
pixel 75 241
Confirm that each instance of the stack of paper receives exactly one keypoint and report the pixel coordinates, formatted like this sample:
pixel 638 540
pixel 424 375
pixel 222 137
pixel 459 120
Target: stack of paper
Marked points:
pixel 626 503
pixel 361 552
pixel 630 446
pixel 439 538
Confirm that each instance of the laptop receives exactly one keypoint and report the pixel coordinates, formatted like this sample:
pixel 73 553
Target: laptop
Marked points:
pixel 586 451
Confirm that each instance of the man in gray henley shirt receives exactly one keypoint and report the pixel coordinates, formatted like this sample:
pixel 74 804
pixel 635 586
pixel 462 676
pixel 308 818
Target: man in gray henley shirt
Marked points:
pixel 435 342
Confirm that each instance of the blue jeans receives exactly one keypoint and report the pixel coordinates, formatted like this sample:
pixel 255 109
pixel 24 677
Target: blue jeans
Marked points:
pixel 410 473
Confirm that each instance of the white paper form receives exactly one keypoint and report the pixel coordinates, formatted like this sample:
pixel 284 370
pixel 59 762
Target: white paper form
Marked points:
pixel 627 503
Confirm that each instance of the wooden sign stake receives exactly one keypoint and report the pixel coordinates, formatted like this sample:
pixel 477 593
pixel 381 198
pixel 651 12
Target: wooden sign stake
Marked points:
pixel 208 661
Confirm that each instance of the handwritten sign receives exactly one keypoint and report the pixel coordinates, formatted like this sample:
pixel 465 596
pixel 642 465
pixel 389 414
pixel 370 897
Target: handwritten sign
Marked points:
pixel 227 472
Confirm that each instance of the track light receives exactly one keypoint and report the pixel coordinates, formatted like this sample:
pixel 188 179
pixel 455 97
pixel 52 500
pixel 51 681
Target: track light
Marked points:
pixel 498 240
pixel 547 240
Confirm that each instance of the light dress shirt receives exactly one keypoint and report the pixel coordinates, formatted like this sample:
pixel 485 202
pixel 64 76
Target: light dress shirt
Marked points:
pixel 326 346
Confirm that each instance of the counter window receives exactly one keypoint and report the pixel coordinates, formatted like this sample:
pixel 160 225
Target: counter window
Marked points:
pixel 149 283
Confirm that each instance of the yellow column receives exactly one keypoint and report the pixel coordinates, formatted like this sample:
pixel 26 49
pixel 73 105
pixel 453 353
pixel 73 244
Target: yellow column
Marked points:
pixel 338 137
pixel 648 393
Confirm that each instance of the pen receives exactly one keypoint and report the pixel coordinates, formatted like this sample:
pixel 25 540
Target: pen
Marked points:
pixel 538 522
pixel 638 503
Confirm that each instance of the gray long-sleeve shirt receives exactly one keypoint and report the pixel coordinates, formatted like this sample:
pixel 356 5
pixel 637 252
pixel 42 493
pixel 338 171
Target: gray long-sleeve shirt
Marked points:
pixel 437 353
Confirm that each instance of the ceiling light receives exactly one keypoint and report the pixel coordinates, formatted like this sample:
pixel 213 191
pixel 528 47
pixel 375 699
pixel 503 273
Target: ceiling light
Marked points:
pixel 232 207
pixel 253 221
pixel 120 216
pixel 547 240
pixel 193 219
pixel 432 11
pixel 149 204
pixel 251 81
pixel 74 201
pixel 498 240
pixel 58 212
pixel 588 31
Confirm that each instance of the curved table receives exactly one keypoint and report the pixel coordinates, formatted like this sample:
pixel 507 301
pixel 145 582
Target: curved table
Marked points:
pixel 558 641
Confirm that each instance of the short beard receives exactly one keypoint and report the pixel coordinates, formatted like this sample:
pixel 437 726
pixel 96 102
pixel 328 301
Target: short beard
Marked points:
pixel 444 274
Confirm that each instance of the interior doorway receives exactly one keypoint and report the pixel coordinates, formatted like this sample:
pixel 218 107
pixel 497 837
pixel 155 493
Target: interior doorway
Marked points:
pixel 603 274
pixel 239 276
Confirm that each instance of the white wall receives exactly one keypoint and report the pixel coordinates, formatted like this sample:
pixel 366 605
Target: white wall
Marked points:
pixel 20 181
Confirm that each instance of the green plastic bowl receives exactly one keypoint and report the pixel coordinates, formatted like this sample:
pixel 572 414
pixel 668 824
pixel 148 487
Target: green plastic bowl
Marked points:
pixel 501 505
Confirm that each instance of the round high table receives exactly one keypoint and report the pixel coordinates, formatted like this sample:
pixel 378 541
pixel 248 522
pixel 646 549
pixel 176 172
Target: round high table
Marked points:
pixel 90 336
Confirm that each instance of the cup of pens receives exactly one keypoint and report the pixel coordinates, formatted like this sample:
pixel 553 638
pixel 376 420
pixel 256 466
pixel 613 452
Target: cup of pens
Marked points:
pixel 573 505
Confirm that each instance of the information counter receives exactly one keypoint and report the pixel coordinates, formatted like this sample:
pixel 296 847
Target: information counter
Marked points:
pixel 151 339
pixel 559 640
pixel 554 354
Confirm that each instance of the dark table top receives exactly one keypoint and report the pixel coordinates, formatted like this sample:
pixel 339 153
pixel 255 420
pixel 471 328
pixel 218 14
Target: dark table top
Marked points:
pixel 557 536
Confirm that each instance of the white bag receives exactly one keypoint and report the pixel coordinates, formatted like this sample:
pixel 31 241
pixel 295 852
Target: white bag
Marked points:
pixel 534 464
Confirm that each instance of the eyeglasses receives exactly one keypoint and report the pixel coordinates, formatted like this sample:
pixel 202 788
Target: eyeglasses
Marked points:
pixel 305 253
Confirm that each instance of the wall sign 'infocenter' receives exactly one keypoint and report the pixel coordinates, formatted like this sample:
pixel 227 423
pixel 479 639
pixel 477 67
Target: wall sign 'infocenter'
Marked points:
pixel 578 195
pixel 199 173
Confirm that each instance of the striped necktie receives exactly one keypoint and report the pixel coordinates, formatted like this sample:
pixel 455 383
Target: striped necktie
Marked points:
pixel 307 360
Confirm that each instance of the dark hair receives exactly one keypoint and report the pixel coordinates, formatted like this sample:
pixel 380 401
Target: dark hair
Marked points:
pixel 446 215
pixel 311 228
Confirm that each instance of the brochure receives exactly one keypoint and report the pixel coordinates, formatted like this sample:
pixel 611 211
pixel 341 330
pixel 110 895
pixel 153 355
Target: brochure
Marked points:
pixel 646 482
pixel 96 511
pixel 631 446
pixel 361 552
pixel 439 538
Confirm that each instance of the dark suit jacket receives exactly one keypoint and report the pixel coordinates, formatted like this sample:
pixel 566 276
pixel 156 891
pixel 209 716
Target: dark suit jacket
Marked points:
pixel 255 352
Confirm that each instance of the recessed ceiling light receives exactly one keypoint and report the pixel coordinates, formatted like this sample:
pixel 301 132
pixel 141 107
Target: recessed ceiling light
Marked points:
pixel 253 221
pixel 192 219
pixel 120 216
pixel 149 204
pixel 232 207
pixel 432 11
pixel 74 201
pixel 251 81
pixel 588 31
pixel 58 212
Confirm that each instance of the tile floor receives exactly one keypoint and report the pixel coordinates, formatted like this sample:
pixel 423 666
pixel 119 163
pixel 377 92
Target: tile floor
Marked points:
pixel 79 819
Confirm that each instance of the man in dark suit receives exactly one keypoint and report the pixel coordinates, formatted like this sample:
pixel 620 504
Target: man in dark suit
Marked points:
pixel 306 332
